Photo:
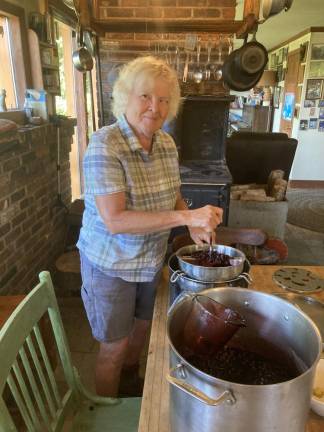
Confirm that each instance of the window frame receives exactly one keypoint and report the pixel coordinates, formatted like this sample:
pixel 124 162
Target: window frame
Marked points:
pixel 19 49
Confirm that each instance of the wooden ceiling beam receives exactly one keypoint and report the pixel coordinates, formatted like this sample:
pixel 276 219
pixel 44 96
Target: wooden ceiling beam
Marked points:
pixel 128 25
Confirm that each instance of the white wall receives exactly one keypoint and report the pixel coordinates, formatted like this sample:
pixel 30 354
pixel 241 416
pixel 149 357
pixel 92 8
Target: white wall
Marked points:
pixel 309 159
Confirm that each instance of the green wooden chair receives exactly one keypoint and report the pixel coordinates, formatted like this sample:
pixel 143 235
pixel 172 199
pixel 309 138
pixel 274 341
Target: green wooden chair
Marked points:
pixel 37 402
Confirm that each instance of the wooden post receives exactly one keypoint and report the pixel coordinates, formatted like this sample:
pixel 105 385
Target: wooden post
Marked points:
pixel 250 18
pixel 84 14
pixel 251 7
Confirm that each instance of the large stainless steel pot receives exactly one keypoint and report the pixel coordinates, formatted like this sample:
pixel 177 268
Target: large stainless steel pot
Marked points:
pixel 200 402
pixel 187 283
pixel 211 274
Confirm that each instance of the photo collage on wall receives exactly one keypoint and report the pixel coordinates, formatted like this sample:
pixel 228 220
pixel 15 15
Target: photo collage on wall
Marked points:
pixel 314 101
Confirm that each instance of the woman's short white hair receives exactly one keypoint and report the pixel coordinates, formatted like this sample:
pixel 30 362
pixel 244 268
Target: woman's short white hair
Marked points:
pixel 144 68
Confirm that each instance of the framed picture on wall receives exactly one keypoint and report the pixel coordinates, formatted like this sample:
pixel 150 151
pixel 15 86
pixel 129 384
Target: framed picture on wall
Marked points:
pixel 316 69
pixel 279 73
pixel 313 123
pixel 288 107
pixel 309 103
pixel 321 113
pixel 314 89
pixel 280 56
pixel 285 54
pixel 317 52
pixel 303 52
pixel 273 61
pixel 321 126
pixel 303 125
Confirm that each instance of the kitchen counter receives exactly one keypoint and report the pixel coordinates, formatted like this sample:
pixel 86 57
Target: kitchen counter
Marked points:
pixel 155 403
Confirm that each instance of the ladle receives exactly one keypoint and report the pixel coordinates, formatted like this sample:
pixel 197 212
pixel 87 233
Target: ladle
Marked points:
pixel 218 72
pixel 209 326
pixel 208 65
pixel 198 74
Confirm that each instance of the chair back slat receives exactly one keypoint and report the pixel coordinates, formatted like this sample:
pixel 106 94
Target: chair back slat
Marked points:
pixel 41 375
pixel 6 423
pixel 20 403
pixel 25 366
pixel 15 330
pixel 36 391
pixel 48 366
pixel 26 395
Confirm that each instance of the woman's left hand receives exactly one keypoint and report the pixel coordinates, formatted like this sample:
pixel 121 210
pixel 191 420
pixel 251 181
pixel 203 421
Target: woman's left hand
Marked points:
pixel 201 237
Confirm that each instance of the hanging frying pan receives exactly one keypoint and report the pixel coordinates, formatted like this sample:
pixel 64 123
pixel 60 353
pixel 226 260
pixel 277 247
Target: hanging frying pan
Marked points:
pixel 252 58
pixel 244 67
pixel 235 78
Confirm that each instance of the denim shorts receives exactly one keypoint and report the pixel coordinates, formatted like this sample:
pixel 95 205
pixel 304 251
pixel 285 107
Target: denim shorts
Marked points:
pixel 112 303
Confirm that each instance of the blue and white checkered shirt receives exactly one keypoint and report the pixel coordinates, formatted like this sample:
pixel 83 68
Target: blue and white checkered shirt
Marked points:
pixel 116 162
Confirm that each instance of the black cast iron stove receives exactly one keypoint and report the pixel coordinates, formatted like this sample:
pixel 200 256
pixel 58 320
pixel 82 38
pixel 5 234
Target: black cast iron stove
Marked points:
pixel 200 131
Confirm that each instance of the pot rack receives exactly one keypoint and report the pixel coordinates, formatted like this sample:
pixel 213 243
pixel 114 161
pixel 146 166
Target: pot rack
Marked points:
pixel 241 28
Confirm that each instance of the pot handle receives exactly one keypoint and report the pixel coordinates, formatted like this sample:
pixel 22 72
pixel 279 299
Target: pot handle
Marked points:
pixel 246 277
pixel 227 395
pixel 176 276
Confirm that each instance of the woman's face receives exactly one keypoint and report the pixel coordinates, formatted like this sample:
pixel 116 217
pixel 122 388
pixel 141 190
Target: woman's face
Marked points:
pixel 148 106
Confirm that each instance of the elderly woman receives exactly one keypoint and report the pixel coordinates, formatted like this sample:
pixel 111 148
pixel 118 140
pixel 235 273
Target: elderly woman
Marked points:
pixel 132 200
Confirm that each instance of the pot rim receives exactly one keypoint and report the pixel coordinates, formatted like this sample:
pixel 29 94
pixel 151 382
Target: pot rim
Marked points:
pixel 196 248
pixel 185 277
pixel 225 383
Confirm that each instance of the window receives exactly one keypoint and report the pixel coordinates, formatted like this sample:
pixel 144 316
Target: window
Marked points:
pixel 7 80
pixel 14 55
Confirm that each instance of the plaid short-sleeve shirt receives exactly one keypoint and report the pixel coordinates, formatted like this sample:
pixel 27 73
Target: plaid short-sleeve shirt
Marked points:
pixel 116 162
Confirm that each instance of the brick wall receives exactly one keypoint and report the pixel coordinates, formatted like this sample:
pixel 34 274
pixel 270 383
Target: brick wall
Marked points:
pixel 32 226
pixel 166 9
pixel 118 48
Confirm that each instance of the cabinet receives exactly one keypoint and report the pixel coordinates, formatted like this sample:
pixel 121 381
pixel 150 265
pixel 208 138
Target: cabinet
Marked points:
pixel 258 118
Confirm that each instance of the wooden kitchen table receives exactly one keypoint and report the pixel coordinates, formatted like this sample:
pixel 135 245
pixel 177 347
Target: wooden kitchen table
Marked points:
pixel 155 403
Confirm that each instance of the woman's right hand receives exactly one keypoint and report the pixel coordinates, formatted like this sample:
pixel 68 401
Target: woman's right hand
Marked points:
pixel 207 218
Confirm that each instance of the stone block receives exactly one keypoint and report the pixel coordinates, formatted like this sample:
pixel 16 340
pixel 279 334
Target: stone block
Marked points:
pixel 271 217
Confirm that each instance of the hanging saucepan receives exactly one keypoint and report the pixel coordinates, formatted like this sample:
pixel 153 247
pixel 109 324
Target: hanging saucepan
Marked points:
pixel 269 8
pixel 90 42
pixel 82 58
pixel 244 67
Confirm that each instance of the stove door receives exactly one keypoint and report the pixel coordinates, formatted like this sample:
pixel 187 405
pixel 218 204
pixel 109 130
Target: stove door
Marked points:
pixel 197 196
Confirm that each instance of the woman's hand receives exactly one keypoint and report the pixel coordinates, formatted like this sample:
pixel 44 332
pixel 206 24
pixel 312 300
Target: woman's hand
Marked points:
pixel 207 218
pixel 200 236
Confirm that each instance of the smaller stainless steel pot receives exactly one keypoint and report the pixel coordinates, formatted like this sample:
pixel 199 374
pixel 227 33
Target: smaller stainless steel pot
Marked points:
pixel 185 283
pixel 211 274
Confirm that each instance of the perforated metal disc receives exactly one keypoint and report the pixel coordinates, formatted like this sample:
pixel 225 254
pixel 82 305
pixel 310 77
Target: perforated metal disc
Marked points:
pixel 298 280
